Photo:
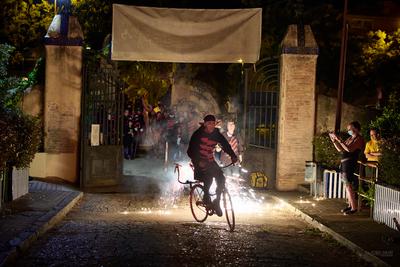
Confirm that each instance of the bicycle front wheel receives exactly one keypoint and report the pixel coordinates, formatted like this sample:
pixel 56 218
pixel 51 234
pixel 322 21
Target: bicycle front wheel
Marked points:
pixel 229 212
pixel 197 206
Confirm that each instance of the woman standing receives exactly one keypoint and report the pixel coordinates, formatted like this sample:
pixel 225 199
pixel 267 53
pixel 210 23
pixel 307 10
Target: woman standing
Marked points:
pixel 350 150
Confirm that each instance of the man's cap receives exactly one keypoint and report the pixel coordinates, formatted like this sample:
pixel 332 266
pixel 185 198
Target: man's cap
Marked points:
pixel 209 117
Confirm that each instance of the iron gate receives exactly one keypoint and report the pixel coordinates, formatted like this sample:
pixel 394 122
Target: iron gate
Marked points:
pixel 101 127
pixel 262 103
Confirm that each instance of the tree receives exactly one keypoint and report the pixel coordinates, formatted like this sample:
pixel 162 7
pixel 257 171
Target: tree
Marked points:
pixel 389 125
pixel 24 24
pixel 153 77
pixel 95 18
pixel 20 134
pixel 10 90
pixel 379 61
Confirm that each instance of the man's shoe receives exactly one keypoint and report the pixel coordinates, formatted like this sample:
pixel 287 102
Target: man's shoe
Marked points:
pixel 206 200
pixel 349 212
pixel 217 208
pixel 345 209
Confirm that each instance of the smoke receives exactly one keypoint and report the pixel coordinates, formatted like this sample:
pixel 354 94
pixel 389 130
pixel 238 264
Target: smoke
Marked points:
pixel 149 176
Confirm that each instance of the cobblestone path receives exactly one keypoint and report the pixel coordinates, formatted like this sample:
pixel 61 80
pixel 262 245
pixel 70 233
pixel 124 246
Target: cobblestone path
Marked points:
pixel 133 230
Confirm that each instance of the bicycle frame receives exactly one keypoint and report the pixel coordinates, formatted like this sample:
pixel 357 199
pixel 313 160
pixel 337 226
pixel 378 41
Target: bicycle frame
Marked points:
pixel 209 210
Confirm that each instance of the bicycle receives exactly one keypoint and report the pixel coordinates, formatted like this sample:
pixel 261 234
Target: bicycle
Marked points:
pixel 201 210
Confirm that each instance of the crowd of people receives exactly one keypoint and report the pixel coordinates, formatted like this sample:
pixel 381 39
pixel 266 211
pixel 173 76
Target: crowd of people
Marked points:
pixel 161 128
pixel 154 126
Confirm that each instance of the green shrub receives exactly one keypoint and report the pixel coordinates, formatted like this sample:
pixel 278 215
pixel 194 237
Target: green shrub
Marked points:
pixel 389 121
pixel 8 137
pixel 389 171
pixel 20 139
pixel 369 191
pixel 20 134
pixel 325 152
pixel 389 125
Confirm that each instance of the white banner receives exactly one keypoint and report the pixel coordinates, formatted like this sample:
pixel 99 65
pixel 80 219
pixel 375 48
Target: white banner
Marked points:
pixel 186 35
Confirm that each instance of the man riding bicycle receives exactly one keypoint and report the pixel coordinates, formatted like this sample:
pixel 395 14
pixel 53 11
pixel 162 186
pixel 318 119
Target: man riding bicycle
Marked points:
pixel 201 152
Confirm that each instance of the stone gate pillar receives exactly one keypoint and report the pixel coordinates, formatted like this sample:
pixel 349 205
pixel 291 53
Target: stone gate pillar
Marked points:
pixel 62 102
pixel 297 103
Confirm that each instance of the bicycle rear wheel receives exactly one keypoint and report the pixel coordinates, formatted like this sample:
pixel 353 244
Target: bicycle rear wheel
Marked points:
pixel 197 206
pixel 229 212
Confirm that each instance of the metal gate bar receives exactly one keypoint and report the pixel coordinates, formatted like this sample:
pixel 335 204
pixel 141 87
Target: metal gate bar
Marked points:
pixel 262 110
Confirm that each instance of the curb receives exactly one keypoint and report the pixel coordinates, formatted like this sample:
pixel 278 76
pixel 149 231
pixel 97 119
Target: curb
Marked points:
pixel 363 254
pixel 38 228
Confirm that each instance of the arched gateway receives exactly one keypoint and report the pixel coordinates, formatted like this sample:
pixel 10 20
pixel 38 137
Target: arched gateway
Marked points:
pixel 137 33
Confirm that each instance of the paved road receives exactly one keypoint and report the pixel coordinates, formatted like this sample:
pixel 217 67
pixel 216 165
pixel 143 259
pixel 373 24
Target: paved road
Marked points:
pixel 133 230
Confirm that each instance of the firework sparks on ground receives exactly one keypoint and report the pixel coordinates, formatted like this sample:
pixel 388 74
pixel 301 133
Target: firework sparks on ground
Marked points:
pixel 244 198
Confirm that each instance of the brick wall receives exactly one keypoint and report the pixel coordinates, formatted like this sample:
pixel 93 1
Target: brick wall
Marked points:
pixel 296 118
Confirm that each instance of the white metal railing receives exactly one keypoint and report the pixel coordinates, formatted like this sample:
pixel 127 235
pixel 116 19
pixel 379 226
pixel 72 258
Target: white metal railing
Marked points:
pixel 367 176
pixel 333 185
pixel 387 205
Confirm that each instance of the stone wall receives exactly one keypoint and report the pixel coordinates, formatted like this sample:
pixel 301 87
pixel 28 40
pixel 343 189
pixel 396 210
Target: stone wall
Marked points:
pixel 326 114
pixel 194 96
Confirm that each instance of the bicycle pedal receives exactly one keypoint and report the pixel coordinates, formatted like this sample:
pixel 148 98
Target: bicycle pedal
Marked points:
pixel 200 204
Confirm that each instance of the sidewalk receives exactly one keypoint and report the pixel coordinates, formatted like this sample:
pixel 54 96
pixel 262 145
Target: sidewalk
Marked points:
pixel 25 219
pixel 374 242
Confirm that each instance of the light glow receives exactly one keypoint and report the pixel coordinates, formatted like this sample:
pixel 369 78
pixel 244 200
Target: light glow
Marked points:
pixel 244 199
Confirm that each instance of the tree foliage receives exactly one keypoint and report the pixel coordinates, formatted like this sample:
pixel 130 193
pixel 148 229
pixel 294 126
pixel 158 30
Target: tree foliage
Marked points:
pixel 389 125
pixel 378 63
pixel 325 152
pixel 389 171
pixel 24 24
pixel 153 77
pixel 20 134
pixel 12 88
pixel 19 139
pixel 95 18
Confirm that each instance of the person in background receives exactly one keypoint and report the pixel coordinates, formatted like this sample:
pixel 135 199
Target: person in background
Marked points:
pixel 372 148
pixel 176 143
pixel 128 140
pixel 158 132
pixel 236 145
pixel 146 107
pixel 138 127
pixel 127 116
pixel 350 150
pixel 372 152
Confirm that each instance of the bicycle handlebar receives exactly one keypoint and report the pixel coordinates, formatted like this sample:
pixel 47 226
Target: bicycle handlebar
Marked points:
pixel 177 166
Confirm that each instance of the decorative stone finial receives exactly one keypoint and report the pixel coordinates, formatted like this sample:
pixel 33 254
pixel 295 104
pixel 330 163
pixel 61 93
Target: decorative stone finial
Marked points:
pixel 64 29
pixel 299 39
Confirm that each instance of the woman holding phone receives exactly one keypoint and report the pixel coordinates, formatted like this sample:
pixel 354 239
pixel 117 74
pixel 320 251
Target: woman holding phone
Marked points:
pixel 350 150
